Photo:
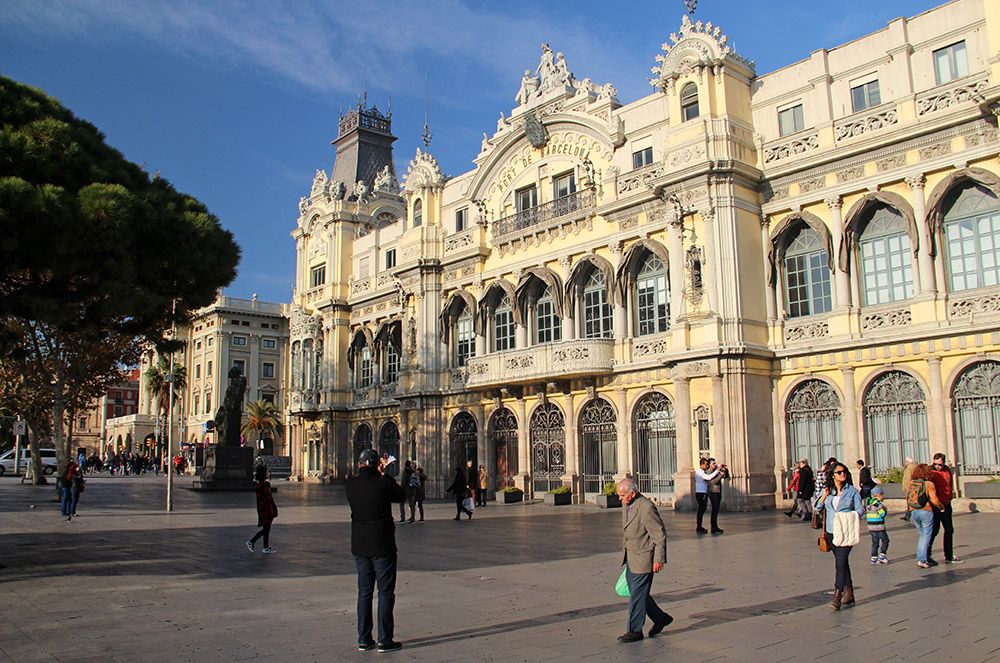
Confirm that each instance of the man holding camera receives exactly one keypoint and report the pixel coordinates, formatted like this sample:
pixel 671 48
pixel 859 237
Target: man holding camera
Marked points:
pixel 373 543
pixel 645 543
pixel 720 472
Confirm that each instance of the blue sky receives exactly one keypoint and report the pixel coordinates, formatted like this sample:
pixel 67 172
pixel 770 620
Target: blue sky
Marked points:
pixel 236 102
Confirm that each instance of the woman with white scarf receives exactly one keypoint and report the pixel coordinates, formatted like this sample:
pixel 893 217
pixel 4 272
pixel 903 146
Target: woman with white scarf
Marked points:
pixel 844 509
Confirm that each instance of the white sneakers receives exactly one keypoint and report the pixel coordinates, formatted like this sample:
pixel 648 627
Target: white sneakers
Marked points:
pixel 249 545
pixel 269 551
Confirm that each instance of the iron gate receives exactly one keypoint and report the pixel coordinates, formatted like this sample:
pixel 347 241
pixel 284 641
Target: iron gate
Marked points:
pixel 599 442
pixel 548 447
pixel 362 440
pixel 503 439
pixel 655 445
pixel 462 440
pixel 895 421
pixel 388 444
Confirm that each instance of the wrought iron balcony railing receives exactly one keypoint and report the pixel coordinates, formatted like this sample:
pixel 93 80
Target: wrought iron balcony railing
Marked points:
pixel 574 202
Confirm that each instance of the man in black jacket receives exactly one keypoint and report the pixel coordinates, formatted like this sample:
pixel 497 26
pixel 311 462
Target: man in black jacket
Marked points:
pixel 806 489
pixel 373 543
pixel 865 481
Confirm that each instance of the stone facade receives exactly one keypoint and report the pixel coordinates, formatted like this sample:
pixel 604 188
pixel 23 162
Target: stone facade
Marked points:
pixel 619 289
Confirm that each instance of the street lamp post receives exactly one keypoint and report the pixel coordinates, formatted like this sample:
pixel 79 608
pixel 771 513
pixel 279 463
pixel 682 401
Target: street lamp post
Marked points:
pixel 170 411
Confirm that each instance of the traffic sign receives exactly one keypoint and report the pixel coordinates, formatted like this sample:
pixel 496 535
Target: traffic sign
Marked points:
pixel 20 428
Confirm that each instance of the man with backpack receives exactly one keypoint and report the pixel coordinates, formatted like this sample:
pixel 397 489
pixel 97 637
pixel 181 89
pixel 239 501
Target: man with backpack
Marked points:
pixel 944 484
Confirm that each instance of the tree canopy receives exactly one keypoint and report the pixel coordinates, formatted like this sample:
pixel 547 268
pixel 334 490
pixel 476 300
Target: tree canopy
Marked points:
pixel 89 239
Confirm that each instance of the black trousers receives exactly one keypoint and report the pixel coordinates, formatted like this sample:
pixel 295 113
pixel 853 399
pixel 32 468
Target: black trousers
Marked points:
pixel 716 500
pixel 702 507
pixel 942 518
pixel 265 532
pixel 841 556
pixel 459 508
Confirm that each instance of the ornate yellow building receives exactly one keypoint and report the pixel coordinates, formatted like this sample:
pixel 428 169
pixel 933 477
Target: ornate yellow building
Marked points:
pixel 757 268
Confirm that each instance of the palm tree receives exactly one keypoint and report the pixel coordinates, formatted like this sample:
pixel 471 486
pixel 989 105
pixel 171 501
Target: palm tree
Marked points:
pixel 263 418
pixel 160 381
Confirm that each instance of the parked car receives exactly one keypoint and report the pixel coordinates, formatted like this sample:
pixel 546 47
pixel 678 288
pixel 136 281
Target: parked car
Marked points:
pixel 49 461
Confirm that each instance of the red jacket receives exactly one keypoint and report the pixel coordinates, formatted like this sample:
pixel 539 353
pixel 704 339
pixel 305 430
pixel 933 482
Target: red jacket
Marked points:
pixel 267 510
pixel 942 484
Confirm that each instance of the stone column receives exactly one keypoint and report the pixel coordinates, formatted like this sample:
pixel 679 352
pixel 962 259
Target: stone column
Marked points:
pixel 620 320
pixel 482 450
pixel 675 247
pixel 521 335
pixel 850 424
pixel 480 344
pixel 569 313
pixel 842 285
pixel 719 445
pixel 572 448
pixel 523 450
pixel 683 489
pixel 925 261
pixel 936 413
pixel 711 268
pixel 624 441
pixel 765 243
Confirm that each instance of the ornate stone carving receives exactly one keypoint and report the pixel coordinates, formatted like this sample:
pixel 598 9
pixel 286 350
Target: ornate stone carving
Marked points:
pixel 972 305
pixel 360 396
pixel 548 361
pixel 423 172
pixel 834 202
pixel 687 155
pixel 459 241
pixel 639 179
pixel 698 45
pixel 319 183
pixel 936 101
pixel 386 181
pixel 806 331
pixel 935 150
pixel 562 355
pixel 853 127
pixel 848 174
pixel 890 163
pixel 982 137
pixel 916 181
pixel 871 320
pixel 779 193
pixel 361 286
pixel 813 184
pixel 649 347
pixel 791 147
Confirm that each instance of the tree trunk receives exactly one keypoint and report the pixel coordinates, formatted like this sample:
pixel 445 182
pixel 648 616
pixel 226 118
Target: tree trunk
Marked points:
pixel 35 429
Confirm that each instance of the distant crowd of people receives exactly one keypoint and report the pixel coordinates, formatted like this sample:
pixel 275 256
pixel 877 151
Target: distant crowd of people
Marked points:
pixel 120 464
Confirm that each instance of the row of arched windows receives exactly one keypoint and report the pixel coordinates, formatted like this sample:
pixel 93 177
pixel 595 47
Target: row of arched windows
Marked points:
pixel 895 420
pixel 880 243
pixel 375 357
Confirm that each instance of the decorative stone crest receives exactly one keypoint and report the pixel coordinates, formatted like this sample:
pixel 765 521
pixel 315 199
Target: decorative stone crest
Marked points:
pixel 535 131
pixel 698 45
pixel 386 181
pixel 319 183
pixel 423 172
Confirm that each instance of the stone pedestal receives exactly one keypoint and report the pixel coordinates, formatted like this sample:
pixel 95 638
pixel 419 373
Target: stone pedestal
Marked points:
pixel 226 469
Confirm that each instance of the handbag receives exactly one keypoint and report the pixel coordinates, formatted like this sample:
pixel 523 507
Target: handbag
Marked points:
pixel 621 586
pixel 817 520
pixel 824 545
pixel 468 504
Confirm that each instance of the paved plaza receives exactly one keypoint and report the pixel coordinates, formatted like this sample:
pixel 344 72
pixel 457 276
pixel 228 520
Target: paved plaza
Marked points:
pixel 126 582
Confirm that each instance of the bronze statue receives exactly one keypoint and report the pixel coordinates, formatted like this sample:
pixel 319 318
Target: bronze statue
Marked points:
pixel 229 418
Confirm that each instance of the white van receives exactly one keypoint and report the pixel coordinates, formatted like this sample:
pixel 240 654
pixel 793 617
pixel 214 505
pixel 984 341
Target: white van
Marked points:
pixel 49 462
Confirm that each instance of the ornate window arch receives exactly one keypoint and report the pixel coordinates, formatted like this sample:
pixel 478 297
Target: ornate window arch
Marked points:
pixel 598 435
pixel 388 347
pixel 459 327
pixel 498 316
pixel 689 102
pixel 813 422
pixel 540 298
pixel 502 431
pixel 418 212
pixel 643 277
pixel 654 433
pixel 360 358
pixel 895 420
pixel 885 257
pixel 971 234
pixel 388 445
pixel 806 273
pixel 463 435
pixel 976 411
pixel 547 432
pixel 362 440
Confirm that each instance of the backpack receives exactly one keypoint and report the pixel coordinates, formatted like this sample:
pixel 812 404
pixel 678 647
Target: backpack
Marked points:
pixel 414 481
pixel 916 494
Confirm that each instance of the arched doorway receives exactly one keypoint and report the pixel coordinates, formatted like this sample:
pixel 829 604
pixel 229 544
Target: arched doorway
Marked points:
pixel 812 417
pixel 548 447
pixel 655 434
pixel 362 440
pixel 976 411
pixel 895 421
pixel 462 440
pixel 503 441
pixel 388 445
pixel 598 444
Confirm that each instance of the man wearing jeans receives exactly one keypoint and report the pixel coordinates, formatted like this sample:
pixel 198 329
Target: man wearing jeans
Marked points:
pixel 701 479
pixel 373 543
pixel 944 486
pixel 645 543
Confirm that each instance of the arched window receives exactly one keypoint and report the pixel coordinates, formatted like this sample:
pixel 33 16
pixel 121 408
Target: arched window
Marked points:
pixel 388 445
pixel 418 213
pixel 465 337
pixel 297 365
pixel 886 256
pixel 652 298
pixel 548 446
pixel 812 417
pixel 363 377
pixel 689 102
pixel 362 440
pixel 596 310
pixel 807 275
pixel 462 437
pixel 503 325
pixel 548 325
pixel 307 365
pixel 391 362
pixel 895 421
pixel 655 434
pixel 976 411
pixel 599 444
pixel 972 238
pixel 503 436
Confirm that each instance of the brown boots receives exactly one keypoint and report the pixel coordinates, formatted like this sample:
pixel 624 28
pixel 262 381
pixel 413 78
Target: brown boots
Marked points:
pixel 842 598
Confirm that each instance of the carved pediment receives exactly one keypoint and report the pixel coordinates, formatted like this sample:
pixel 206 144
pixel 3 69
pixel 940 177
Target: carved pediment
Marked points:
pixel 698 45
pixel 423 171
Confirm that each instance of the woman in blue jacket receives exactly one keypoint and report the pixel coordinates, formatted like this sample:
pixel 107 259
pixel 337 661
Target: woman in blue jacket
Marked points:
pixel 840 496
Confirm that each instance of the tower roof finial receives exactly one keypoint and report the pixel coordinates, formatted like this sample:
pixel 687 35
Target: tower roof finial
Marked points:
pixel 691 5
pixel 425 135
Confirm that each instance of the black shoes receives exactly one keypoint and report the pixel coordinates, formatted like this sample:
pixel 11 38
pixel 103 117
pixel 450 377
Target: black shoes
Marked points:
pixel 456 518
pixel 701 530
pixel 631 636
pixel 365 646
pixel 391 645
pixel 469 514
pixel 717 531
pixel 659 626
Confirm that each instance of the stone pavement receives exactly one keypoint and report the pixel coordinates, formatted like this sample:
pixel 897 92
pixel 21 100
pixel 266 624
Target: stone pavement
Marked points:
pixel 126 582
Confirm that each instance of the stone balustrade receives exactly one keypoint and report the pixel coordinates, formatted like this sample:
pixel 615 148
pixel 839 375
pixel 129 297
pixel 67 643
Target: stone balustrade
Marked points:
pixel 540 363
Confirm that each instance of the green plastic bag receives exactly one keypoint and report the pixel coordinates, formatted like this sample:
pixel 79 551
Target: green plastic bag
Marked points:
pixel 621 587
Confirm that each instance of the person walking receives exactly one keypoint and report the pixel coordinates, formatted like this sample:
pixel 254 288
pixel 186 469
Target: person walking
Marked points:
pixel 701 478
pixel 921 496
pixel 460 487
pixel 70 490
pixel 875 514
pixel 865 481
pixel 908 467
pixel 419 493
pixel 267 510
pixel 471 476
pixel 715 492
pixel 807 489
pixel 370 494
pixel 792 490
pixel 843 506
pixel 405 479
pixel 482 486
pixel 644 539
pixel 944 486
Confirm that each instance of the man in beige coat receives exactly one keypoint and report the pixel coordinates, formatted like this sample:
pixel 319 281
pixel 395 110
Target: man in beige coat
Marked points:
pixel 645 543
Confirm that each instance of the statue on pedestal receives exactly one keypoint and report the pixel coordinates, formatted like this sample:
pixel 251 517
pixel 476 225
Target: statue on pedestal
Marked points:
pixel 229 418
